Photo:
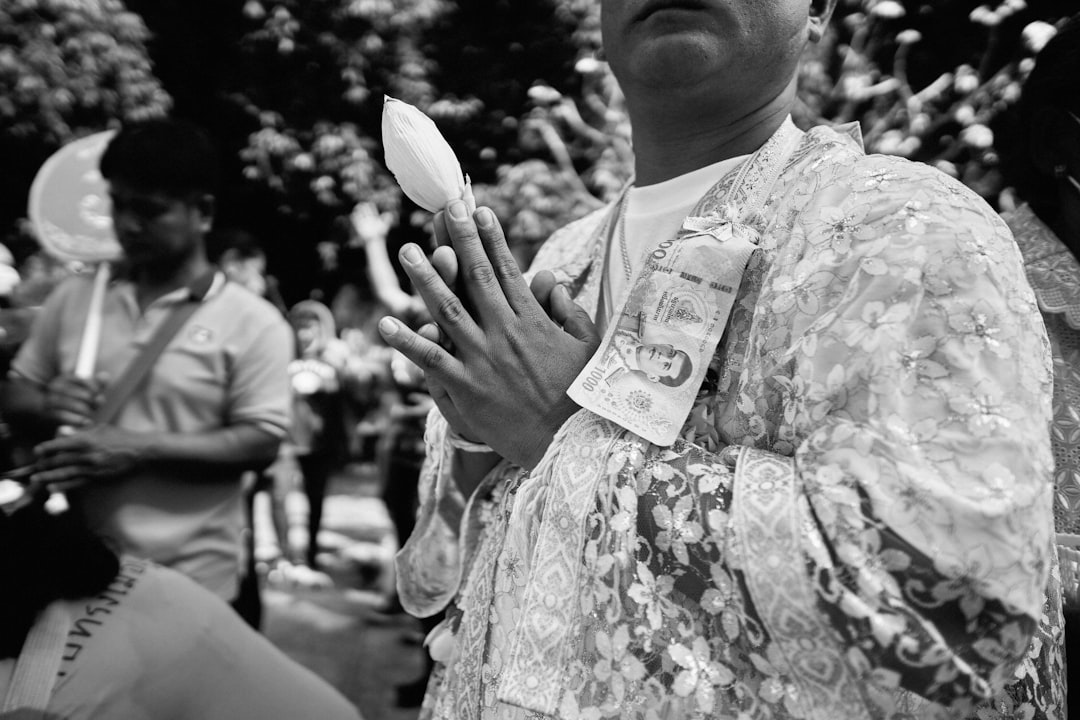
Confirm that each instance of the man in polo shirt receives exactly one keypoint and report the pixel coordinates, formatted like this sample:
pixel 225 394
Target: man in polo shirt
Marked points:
pixel 163 481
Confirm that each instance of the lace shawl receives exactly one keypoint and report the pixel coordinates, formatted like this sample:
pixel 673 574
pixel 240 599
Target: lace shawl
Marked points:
pixel 855 523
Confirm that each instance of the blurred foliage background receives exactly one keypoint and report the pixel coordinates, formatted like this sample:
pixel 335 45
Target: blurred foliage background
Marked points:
pixel 292 91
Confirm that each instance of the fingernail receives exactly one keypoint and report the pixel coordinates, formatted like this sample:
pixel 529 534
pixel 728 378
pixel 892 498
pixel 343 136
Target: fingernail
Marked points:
pixel 458 211
pixel 388 326
pixel 484 218
pixel 412 254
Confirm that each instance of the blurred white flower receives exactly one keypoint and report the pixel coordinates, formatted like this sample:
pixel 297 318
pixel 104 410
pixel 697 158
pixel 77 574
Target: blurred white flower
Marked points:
pixel 854 21
pixel 888 9
pixel 909 146
pixel 253 9
pixel 982 15
pixel 322 183
pixel 542 94
pixel 995 17
pixel 303 162
pixel 854 85
pixel 947 167
pixel 966 80
pixel 964 114
pixel 977 136
pixel 889 142
pixel 1036 35
pixel 588 66
pixel 909 37
pixel 920 122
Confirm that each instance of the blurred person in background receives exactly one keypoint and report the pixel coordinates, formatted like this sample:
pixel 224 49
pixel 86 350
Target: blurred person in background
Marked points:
pixel 318 437
pixel 852 516
pixel 357 307
pixel 1039 142
pixel 244 262
pixel 163 480
pixel 123 637
pixel 399 457
pixel 400 452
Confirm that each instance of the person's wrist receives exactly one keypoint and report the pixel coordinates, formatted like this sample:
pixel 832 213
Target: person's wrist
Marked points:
pixel 537 452
pixel 146 451
pixel 542 441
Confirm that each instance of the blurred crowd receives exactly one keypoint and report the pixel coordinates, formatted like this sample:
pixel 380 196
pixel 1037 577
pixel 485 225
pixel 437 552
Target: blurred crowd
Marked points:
pixel 354 400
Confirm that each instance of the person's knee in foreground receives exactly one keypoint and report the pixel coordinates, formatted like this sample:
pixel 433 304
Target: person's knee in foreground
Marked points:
pixel 842 511
pixel 130 639
pixel 162 479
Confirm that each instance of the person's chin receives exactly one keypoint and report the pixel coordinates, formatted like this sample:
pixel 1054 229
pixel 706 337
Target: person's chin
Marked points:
pixel 136 258
pixel 676 60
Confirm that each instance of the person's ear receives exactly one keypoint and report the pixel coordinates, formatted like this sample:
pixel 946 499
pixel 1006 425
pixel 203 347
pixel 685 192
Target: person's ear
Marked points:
pixel 653 377
pixel 206 205
pixel 820 13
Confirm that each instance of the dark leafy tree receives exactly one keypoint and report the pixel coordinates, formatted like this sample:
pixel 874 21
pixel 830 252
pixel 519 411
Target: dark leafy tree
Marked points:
pixel 67 68
pixel 293 89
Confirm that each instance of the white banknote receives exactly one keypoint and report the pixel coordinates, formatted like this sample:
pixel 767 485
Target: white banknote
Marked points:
pixel 654 356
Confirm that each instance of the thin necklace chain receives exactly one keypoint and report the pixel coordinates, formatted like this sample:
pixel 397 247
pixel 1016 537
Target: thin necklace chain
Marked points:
pixel 623 249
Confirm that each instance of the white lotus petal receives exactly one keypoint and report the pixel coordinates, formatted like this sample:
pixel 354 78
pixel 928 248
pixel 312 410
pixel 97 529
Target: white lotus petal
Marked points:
pixel 421 160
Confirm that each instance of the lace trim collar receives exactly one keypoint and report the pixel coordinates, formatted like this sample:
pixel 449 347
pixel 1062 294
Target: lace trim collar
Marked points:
pixel 1051 269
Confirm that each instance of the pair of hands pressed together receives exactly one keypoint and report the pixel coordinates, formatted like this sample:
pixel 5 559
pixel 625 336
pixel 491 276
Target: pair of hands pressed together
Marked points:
pixel 501 354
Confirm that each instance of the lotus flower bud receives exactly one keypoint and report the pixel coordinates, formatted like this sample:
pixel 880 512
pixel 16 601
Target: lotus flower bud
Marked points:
pixel 421 160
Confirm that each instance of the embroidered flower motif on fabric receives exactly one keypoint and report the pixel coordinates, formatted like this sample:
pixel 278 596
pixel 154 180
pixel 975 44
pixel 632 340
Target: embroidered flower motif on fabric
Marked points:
pixel 865 464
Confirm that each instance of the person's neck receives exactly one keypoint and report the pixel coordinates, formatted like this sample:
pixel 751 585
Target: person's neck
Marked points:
pixel 152 283
pixel 672 140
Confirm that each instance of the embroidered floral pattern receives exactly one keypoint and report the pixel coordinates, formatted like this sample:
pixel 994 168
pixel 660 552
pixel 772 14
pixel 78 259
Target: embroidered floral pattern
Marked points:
pixel 855 522
pixel 1055 276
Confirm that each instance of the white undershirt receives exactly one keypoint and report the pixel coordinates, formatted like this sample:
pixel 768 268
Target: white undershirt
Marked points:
pixel 654 214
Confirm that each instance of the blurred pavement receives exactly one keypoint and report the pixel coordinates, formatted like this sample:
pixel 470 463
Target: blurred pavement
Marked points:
pixel 339 631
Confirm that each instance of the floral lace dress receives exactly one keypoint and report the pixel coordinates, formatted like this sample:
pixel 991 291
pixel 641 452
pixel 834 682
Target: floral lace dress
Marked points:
pixel 1055 276
pixel 855 521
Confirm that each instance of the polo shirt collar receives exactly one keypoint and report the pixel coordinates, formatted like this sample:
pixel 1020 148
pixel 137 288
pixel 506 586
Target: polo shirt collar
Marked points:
pixel 126 288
